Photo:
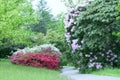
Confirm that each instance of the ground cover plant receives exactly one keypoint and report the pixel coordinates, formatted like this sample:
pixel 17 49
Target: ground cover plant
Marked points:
pixel 9 71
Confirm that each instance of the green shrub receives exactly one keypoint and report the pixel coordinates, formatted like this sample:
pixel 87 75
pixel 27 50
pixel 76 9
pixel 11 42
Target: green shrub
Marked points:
pixel 6 51
pixel 55 38
pixel 14 42
pixel 89 31
pixel 37 39
pixel 58 39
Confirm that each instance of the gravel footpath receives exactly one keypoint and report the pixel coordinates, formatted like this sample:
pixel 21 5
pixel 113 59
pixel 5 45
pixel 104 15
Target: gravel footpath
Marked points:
pixel 73 74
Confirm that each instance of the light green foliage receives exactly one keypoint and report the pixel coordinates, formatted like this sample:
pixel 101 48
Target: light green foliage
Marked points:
pixel 57 38
pixel 118 9
pixel 59 23
pixel 9 71
pixel 108 72
pixel 16 16
pixel 37 39
pixel 118 17
pixel 54 37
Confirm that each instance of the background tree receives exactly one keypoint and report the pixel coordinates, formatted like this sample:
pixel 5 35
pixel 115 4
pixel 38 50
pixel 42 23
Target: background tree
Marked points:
pixel 71 3
pixel 16 16
pixel 46 19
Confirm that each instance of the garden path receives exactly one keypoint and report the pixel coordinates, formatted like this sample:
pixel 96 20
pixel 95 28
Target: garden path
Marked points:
pixel 74 74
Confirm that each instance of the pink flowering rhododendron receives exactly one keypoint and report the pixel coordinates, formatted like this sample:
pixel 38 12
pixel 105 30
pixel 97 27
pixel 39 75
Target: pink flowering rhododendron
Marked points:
pixel 91 48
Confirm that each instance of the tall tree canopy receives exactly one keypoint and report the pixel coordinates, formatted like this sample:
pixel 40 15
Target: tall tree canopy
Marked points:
pixel 15 17
pixel 69 3
pixel 45 18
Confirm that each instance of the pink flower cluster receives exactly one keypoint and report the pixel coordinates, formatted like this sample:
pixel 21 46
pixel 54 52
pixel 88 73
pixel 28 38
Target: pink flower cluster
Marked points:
pixel 97 65
pixel 36 60
pixel 70 22
pixel 94 60
pixel 75 45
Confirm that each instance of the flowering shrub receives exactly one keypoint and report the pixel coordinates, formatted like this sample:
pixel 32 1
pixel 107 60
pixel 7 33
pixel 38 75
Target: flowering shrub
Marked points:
pixel 45 55
pixel 46 48
pixel 90 32
pixel 37 60
pixel 58 39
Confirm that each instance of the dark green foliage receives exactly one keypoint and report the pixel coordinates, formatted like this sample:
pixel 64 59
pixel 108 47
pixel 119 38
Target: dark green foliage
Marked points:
pixel 95 32
pixel 42 14
pixel 6 51
pixel 97 23
pixel 95 28
pixel 46 19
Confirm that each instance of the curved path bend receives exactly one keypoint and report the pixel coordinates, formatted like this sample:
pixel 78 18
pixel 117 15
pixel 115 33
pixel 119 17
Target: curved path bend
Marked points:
pixel 72 73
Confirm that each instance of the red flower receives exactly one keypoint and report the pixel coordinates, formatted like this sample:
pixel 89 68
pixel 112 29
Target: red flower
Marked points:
pixel 36 60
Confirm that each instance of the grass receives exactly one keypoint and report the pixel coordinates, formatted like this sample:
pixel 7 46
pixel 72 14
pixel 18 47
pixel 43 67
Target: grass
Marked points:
pixel 108 72
pixel 10 71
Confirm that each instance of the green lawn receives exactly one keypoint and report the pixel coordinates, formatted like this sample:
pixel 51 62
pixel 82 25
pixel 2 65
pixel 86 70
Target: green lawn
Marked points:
pixel 10 71
pixel 108 72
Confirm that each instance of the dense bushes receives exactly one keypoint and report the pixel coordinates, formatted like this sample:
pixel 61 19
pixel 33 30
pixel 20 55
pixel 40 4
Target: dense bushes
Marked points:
pixel 36 60
pixel 6 51
pixel 52 37
pixel 40 56
pixel 46 48
pixel 57 39
pixel 90 31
